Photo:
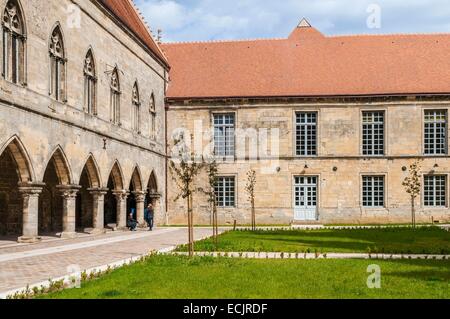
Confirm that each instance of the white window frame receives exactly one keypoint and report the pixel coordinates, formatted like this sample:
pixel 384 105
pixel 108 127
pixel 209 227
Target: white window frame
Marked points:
pixel 431 148
pixel 228 149
pixel 308 129
pixel 374 199
pixel 434 204
pixel 373 127
pixel 229 199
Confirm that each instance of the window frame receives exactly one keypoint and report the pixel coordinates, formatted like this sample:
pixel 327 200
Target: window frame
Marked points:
pixel 434 206
pixel 373 123
pixel 214 126
pixel 424 138
pixel 373 198
pixel 305 125
pixel 222 205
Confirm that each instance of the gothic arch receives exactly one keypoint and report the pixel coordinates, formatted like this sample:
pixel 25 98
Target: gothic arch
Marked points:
pixel 117 176
pixel 152 184
pixel 19 154
pixel 136 179
pixel 62 167
pixel 90 82
pixel 93 172
pixel 57 45
pixel 14 36
pixel 19 14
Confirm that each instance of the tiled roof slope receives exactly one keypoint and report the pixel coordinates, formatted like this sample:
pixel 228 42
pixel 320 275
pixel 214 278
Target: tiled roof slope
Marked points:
pixel 310 64
pixel 126 12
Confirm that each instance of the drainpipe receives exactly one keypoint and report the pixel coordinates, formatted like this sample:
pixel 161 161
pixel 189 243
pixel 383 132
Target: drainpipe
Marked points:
pixel 166 108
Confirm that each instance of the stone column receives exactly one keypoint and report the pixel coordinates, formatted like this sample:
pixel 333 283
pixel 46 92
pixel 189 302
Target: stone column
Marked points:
pixel 121 198
pixel 98 209
pixel 140 206
pixel 30 194
pixel 69 195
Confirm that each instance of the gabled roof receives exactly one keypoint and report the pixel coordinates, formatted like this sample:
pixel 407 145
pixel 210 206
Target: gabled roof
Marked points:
pixel 126 12
pixel 310 64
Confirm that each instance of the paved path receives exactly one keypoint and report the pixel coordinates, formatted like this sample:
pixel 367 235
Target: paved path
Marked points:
pixel 28 264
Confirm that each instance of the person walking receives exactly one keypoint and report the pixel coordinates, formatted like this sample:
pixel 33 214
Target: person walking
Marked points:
pixel 149 215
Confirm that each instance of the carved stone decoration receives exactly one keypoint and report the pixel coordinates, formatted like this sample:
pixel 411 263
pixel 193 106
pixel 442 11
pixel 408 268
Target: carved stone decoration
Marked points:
pixel 12 19
pixel 56 44
pixel 115 86
pixel 89 67
pixel 136 95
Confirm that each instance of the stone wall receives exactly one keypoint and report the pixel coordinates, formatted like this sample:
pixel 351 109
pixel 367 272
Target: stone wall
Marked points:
pixel 42 125
pixel 339 164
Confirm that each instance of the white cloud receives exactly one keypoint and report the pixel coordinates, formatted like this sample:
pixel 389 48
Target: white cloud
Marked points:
pixel 187 20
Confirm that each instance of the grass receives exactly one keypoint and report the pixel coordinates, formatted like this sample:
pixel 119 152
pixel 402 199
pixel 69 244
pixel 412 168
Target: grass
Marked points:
pixel 176 277
pixel 430 240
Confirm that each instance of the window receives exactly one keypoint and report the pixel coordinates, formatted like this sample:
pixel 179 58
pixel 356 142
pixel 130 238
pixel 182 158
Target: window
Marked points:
pixel 306 134
pixel 152 117
pixel 435 132
pixel 115 97
pixel 373 191
pixel 57 65
pixel 13 43
pixel 136 109
pixel 224 140
pixel 373 133
pixel 90 81
pixel 225 192
pixel 435 191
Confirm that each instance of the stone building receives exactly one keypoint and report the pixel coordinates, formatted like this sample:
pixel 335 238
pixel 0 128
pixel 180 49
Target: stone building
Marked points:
pixel 345 117
pixel 82 121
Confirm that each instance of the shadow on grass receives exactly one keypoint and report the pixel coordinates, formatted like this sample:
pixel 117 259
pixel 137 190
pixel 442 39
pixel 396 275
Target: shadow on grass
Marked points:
pixel 391 240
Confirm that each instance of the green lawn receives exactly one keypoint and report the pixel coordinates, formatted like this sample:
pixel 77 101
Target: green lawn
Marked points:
pixel 390 240
pixel 208 278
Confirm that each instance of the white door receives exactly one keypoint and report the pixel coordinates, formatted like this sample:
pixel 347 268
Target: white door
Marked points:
pixel 305 198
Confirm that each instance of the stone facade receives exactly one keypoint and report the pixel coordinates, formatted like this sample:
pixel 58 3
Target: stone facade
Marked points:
pixel 339 164
pixel 65 158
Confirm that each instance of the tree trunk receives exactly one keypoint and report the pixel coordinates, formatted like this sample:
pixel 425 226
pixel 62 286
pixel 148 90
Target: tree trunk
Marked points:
pixel 190 226
pixel 413 212
pixel 253 215
pixel 215 225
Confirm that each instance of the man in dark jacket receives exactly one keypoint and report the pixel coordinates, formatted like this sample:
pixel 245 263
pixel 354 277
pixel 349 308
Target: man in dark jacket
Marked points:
pixel 149 215
pixel 132 223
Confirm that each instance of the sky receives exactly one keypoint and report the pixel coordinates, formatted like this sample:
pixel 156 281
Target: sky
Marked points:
pixel 203 20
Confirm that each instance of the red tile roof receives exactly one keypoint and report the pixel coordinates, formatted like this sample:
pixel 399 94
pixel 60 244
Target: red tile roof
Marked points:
pixel 309 64
pixel 126 12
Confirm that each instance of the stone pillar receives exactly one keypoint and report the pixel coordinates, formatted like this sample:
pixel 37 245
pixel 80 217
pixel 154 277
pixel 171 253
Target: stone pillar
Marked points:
pixel 30 194
pixel 121 198
pixel 69 195
pixel 98 209
pixel 140 206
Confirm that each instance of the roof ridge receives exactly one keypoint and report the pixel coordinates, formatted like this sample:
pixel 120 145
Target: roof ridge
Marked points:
pixel 147 26
pixel 386 34
pixel 224 41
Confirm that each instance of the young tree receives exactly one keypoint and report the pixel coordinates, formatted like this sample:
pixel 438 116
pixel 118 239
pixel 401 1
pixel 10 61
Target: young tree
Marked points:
pixel 184 171
pixel 212 170
pixel 250 188
pixel 413 186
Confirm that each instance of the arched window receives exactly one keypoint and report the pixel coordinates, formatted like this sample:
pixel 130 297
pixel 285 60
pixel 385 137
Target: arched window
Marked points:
pixel 152 110
pixel 90 80
pixel 115 97
pixel 136 109
pixel 13 43
pixel 57 65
